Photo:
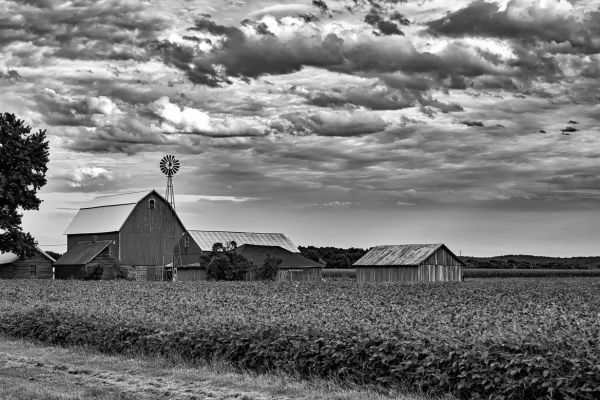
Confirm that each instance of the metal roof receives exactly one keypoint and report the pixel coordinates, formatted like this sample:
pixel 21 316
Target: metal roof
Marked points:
pixel 206 239
pixel 402 254
pixel 83 252
pixel 9 257
pixel 108 213
pixel 257 254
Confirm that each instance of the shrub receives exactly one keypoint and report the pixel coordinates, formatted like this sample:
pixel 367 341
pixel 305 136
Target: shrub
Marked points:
pixel 269 269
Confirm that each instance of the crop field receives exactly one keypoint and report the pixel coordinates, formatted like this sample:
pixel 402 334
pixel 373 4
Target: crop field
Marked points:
pixel 506 339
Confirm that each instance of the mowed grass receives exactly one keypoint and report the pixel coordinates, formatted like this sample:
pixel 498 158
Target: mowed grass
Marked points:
pixel 501 339
pixel 33 371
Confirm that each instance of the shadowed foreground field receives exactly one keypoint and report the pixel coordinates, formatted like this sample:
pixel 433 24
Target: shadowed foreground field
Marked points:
pixel 498 339
pixel 31 371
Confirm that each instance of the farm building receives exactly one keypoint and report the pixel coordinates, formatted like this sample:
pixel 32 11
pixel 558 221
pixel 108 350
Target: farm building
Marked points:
pixel 38 266
pixel 193 243
pixel 294 266
pixel 142 227
pixel 88 260
pixel 409 262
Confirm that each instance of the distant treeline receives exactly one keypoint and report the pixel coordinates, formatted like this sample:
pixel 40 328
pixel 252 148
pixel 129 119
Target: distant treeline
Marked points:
pixel 333 257
pixel 532 262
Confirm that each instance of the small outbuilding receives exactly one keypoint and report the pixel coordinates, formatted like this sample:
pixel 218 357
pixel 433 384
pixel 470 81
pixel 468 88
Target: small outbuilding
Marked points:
pixel 88 260
pixel 38 266
pixel 293 267
pixel 409 263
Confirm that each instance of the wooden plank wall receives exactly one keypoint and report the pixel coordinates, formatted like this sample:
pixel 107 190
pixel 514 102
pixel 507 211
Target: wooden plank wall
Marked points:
pixel 191 275
pixel 300 275
pixel 387 274
pixel 80 271
pixel 440 273
pixel 442 257
pixel 21 269
pixel 73 239
pixel 143 234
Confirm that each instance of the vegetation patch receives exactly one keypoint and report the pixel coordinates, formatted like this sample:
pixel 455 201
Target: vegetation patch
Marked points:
pixel 508 339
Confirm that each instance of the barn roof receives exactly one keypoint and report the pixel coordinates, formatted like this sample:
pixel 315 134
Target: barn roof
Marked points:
pixel 83 252
pixel 257 255
pixel 206 239
pixel 9 257
pixel 107 213
pixel 402 254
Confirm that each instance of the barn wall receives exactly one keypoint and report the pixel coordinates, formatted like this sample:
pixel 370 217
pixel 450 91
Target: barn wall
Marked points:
pixel 440 273
pixel 21 269
pixel 144 233
pixel 387 274
pixel 191 275
pixel 442 257
pixel 190 254
pixel 299 275
pixel 72 240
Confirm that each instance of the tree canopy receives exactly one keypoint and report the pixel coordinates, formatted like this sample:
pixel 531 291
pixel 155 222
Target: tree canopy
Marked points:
pixel 23 164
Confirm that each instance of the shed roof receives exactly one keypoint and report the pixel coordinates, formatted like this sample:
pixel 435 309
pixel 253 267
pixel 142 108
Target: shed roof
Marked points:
pixel 9 257
pixel 206 239
pixel 258 254
pixel 108 213
pixel 402 254
pixel 83 252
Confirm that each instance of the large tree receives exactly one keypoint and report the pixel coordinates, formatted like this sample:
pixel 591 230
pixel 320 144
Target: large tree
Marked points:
pixel 23 159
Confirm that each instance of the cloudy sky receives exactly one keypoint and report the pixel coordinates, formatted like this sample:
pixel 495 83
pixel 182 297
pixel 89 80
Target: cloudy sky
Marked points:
pixel 345 123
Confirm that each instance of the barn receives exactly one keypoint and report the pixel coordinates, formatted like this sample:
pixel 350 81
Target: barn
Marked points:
pixel 294 266
pixel 142 227
pixel 39 266
pixel 409 262
pixel 194 242
pixel 88 260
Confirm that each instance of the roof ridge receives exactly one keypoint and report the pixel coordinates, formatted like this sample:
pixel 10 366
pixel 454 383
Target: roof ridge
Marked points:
pixel 120 194
pixel 208 230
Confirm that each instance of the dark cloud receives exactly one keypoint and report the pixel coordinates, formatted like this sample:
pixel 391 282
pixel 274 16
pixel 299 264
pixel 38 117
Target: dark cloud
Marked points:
pixel 330 123
pixel 471 123
pixel 482 18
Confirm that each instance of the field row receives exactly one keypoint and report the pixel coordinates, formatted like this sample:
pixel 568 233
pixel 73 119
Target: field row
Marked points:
pixel 506 339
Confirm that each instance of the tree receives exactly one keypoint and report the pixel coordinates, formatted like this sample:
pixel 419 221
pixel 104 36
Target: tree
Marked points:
pixel 269 269
pixel 23 159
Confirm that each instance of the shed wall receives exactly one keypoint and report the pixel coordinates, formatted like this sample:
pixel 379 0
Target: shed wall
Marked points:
pixel 148 233
pixel 80 271
pixel 440 273
pixel 191 275
pixel 299 275
pixel 387 274
pixel 21 269
pixel 442 257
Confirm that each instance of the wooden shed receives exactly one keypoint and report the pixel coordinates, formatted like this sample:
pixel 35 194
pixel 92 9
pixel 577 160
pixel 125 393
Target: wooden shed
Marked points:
pixel 85 258
pixel 39 266
pixel 142 227
pixel 294 266
pixel 409 262
pixel 194 243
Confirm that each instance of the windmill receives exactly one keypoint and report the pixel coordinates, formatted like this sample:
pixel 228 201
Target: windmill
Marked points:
pixel 169 166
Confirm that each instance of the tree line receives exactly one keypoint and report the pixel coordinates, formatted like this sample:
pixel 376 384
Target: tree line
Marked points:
pixel 333 257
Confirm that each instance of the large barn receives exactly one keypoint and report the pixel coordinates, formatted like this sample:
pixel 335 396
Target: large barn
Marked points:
pixel 142 227
pixel 409 262
pixel 39 266
pixel 195 242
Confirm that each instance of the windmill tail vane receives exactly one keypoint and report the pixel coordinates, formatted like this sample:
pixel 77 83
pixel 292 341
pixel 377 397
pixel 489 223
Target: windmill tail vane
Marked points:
pixel 169 166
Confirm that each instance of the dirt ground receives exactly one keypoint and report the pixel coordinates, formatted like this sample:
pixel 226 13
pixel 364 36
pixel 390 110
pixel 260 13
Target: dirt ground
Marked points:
pixel 32 371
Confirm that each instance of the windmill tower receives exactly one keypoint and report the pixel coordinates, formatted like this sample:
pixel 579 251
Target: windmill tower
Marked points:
pixel 169 166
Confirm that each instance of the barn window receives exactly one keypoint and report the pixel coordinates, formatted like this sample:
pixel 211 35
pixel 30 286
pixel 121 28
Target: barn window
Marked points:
pixel 33 270
pixel 151 204
pixel 186 241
